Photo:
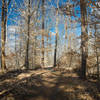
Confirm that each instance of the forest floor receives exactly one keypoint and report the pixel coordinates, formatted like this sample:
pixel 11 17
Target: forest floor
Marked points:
pixel 46 85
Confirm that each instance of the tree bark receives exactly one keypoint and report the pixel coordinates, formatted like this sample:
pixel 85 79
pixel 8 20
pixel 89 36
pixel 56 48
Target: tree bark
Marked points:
pixel 84 38
pixel 28 36
pixel 56 37
pixel 42 59
pixel 3 32
pixel 55 51
pixel 97 56
pixel 3 65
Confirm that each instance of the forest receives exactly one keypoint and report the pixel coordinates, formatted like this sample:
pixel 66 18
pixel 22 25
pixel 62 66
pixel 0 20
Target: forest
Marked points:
pixel 49 49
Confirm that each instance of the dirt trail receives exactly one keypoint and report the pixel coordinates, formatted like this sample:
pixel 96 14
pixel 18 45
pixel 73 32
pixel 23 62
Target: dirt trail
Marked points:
pixel 46 85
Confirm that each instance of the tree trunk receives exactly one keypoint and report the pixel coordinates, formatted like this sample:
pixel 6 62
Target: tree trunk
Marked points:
pixel 97 56
pixel 3 66
pixel 42 59
pixel 4 32
pixel 56 37
pixel 55 51
pixel 28 36
pixel 84 38
pixel 35 53
pixel 5 21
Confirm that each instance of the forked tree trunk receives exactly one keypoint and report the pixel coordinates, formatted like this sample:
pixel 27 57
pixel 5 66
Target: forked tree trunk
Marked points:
pixel 3 31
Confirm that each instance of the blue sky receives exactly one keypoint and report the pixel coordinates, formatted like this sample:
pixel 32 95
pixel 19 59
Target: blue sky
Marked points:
pixel 13 14
pixel 61 29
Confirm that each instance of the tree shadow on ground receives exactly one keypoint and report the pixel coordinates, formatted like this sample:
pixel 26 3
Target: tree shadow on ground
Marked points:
pixel 47 85
pixel 12 74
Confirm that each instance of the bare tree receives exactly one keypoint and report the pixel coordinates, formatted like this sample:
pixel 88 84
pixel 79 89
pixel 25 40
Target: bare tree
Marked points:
pixel 42 59
pixel 3 31
pixel 3 66
pixel 56 36
pixel 28 36
pixel 84 38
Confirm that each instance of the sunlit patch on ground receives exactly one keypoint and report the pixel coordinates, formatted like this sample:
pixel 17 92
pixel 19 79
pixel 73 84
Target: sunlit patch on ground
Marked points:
pixel 46 85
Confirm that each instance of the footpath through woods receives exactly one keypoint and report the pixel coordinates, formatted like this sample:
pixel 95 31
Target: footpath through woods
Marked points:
pixel 46 85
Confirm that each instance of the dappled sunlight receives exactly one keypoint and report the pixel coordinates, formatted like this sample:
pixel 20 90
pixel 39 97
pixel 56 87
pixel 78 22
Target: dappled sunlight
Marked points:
pixel 85 96
pixel 80 87
pixel 7 81
pixel 23 75
pixel 2 92
pixel 69 90
pixel 49 50
pixel 47 85
pixel 8 97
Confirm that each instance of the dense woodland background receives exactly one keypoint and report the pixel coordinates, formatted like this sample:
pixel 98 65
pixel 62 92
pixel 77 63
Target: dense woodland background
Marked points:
pixel 46 33
pixel 49 49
